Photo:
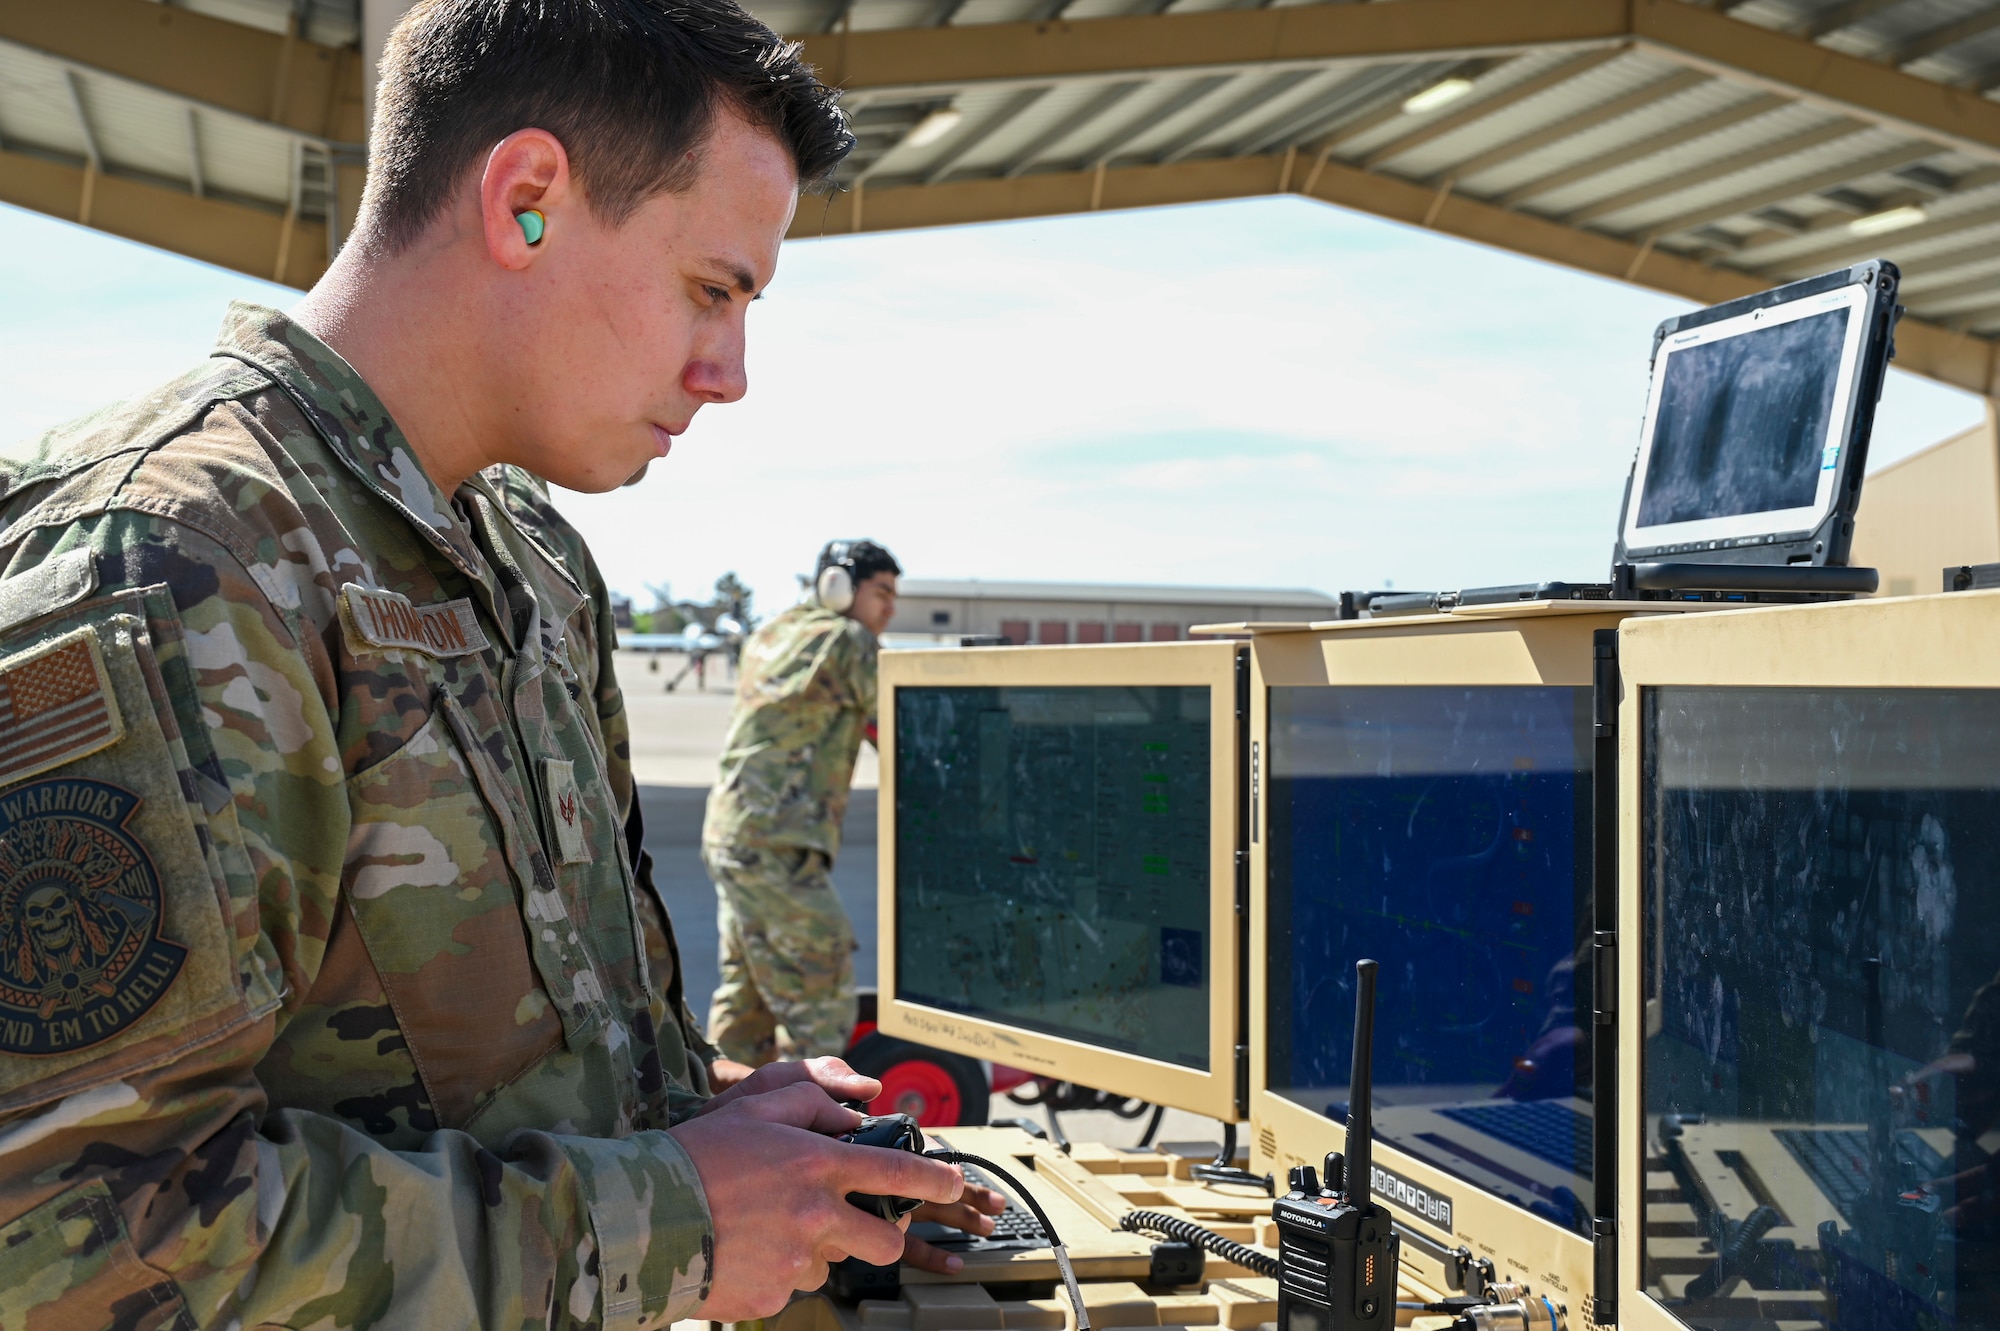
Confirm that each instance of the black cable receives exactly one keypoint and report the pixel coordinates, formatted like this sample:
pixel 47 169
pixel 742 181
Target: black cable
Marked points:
pixel 1056 1129
pixel 1027 1199
pixel 1223 1168
pixel 1234 1177
pixel 1186 1231
pixel 1152 1128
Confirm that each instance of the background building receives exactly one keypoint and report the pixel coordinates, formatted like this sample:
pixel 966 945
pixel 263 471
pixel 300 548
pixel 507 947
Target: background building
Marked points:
pixel 1930 511
pixel 1064 612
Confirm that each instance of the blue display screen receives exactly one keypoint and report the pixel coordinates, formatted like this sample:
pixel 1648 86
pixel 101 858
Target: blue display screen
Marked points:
pixel 1444 832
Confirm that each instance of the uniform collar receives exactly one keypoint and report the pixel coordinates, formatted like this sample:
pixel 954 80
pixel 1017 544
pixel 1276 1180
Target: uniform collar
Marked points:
pixel 352 420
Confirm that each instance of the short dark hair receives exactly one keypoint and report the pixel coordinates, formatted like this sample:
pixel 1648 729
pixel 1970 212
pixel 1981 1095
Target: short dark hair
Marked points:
pixel 862 560
pixel 630 87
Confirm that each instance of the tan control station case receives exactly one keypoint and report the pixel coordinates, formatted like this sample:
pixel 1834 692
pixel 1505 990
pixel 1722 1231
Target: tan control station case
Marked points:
pixel 1546 644
pixel 1812 673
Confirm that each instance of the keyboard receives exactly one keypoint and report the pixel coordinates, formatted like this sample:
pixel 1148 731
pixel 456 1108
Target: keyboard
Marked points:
pixel 1014 1229
pixel 1549 1130
pixel 1836 1160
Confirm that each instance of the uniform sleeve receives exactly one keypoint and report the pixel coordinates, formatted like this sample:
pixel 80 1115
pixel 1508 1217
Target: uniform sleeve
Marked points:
pixel 144 1180
pixel 858 656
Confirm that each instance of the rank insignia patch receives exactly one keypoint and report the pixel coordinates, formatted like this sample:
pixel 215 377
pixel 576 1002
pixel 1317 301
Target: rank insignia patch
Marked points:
pixel 81 957
pixel 565 810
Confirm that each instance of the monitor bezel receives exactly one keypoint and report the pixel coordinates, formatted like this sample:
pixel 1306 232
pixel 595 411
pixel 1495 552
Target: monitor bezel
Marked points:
pixel 1924 642
pixel 1857 299
pixel 1213 665
pixel 1529 646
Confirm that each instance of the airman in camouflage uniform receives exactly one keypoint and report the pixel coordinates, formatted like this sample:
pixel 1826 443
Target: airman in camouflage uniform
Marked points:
pixel 314 721
pixel 805 699
pixel 331 990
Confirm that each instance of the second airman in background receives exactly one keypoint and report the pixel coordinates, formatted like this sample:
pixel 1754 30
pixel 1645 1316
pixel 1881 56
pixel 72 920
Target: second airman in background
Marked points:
pixel 805 699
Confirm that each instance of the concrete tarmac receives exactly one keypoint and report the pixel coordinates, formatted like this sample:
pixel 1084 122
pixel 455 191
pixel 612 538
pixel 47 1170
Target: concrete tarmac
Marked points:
pixel 673 836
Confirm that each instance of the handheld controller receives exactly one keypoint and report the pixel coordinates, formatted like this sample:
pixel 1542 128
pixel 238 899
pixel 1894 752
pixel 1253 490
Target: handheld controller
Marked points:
pixel 895 1132
pixel 1338 1252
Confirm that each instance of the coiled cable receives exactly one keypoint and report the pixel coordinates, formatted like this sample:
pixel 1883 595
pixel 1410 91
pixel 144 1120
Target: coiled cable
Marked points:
pixel 1186 1231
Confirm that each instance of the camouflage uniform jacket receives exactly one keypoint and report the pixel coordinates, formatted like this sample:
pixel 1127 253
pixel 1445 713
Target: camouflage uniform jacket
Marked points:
pixel 324 995
pixel 805 698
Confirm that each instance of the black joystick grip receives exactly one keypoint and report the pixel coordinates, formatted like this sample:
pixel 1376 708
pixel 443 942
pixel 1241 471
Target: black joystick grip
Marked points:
pixel 895 1132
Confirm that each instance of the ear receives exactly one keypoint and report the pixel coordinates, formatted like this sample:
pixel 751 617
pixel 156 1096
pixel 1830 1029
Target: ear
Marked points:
pixel 527 169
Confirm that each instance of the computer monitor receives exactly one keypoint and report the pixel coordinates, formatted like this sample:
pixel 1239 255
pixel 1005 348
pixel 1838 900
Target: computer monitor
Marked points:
pixel 1425 798
pixel 1757 423
pixel 1813 982
pixel 1059 880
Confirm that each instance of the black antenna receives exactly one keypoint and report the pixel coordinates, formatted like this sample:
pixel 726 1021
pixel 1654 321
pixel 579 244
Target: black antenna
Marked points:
pixel 1361 1089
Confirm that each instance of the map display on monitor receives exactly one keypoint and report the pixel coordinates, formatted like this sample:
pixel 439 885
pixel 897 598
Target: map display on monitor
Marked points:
pixel 1053 858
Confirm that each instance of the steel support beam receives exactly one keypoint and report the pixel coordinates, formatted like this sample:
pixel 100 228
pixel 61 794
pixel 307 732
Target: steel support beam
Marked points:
pixel 317 89
pixel 1829 21
pixel 1938 353
pixel 1738 204
pixel 918 61
pixel 1680 182
pixel 216 231
pixel 1625 154
pixel 1939 39
pixel 1440 126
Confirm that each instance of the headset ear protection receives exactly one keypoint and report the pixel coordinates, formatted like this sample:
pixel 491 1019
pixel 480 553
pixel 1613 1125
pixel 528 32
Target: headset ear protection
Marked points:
pixel 835 588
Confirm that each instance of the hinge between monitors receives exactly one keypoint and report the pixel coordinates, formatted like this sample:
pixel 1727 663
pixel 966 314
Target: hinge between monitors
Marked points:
pixel 1242 684
pixel 1604 1259
pixel 1605 682
pixel 1242 1081
pixel 1604 952
pixel 1242 882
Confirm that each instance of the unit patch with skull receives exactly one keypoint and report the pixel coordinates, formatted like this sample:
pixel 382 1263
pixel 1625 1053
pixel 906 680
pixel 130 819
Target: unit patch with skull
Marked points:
pixel 81 956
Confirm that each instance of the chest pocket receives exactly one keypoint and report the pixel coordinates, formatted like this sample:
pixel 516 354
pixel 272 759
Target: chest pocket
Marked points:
pixel 426 876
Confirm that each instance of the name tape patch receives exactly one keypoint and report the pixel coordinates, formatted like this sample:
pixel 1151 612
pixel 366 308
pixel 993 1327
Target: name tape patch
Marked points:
pixel 389 621
pixel 81 957
pixel 1426 1204
pixel 56 705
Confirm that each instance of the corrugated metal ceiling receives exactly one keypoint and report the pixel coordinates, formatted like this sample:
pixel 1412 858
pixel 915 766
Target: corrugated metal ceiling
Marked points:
pixel 1610 139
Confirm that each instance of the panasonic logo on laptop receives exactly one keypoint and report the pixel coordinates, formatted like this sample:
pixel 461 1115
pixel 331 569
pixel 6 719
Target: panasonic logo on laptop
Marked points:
pixel 1424 1203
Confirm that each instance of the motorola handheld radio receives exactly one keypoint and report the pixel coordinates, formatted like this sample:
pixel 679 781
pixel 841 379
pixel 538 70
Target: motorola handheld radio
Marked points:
pixel 1338 1252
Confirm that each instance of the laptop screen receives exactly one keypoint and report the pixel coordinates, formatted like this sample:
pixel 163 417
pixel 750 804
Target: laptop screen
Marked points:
pixel 1445 832
pixel 1746 423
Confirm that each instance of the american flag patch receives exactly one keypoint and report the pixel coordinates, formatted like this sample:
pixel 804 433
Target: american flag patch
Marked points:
pixel 56 705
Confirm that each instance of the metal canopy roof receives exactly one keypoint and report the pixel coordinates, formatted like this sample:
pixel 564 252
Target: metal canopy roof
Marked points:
pixel 1702 149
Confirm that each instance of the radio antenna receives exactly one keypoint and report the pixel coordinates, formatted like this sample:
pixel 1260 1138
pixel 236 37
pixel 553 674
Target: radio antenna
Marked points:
pixel 1361 1090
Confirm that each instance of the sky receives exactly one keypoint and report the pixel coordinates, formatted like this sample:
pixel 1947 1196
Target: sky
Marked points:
pixel 1269 393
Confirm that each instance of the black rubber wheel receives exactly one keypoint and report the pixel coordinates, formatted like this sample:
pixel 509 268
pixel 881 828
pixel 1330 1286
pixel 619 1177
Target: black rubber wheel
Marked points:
pixel 937 1089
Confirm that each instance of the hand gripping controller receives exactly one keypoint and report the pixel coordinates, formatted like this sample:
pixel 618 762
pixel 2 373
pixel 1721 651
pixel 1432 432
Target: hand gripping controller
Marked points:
pixel 895 1132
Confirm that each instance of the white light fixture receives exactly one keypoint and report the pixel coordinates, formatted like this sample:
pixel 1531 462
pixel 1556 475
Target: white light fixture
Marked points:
pixel 1889 219
pixel 934 126
pixel 1441 93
